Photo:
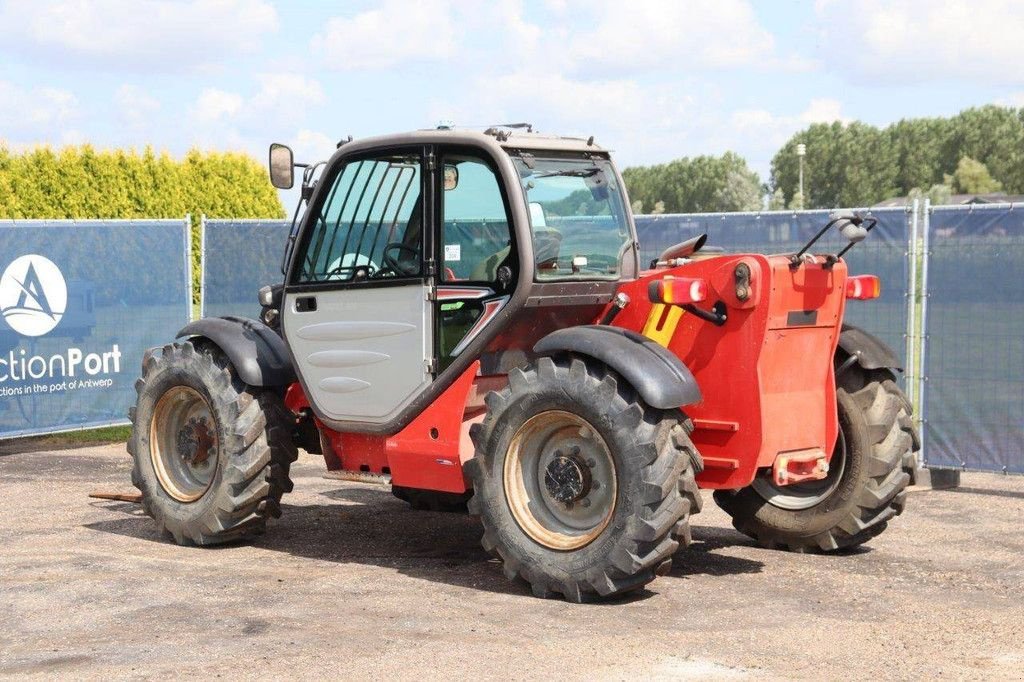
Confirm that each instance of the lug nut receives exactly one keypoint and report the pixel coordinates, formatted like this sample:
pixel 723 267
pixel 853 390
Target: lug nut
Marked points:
pixel 595 485
pixel 591 463
pixel 585 502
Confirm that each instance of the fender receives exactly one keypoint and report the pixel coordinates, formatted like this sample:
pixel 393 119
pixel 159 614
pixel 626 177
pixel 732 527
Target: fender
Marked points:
pixel 661 378
pixel 258 354
pixel 871 352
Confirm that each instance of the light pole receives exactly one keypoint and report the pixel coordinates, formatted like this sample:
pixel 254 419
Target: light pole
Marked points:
pixel 801 151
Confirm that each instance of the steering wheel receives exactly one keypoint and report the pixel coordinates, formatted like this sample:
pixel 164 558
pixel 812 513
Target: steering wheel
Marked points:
pixel 395 265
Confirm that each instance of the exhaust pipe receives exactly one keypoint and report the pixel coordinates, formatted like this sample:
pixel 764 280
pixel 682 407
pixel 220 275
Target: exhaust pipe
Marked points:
pixel 681 250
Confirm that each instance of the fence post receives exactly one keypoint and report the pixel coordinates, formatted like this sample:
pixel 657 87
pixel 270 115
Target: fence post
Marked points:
pixel 922 378
pixel 188 266
pixel 202 265
pixel 911 335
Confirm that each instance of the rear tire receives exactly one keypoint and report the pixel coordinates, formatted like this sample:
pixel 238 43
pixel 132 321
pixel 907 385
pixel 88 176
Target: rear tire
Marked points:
pixel 582 489
pixel 878 446
pixel 210 454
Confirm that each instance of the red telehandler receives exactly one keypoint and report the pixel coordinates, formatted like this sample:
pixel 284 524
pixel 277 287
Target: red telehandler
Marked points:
pixel 465 314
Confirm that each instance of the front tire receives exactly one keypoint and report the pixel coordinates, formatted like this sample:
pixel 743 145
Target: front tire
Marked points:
pixel 870 470
pixel 582 489
pixel 210 454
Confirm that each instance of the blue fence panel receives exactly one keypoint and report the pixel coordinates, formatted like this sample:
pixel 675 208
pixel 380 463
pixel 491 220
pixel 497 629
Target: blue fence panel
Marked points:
pixel 883 253
pixel 239 257
pixel 80 303
pixel 973 368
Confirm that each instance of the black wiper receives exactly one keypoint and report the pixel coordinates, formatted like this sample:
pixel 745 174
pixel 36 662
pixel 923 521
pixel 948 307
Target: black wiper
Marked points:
pixel 569 172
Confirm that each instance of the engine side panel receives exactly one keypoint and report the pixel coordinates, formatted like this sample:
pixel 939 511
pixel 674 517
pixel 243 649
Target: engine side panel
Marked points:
pixel 766 373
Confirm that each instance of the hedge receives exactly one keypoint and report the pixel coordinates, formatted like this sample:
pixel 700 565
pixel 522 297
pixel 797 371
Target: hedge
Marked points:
pixel 81 182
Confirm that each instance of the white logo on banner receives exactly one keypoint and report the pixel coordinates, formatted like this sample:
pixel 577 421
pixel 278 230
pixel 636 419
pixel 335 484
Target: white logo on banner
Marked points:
pixel 33 295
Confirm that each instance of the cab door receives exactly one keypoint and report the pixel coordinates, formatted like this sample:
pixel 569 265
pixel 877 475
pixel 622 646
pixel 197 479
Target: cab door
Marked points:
pixel 356 314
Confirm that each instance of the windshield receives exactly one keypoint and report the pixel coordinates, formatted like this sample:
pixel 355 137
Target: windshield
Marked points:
pixel 577 216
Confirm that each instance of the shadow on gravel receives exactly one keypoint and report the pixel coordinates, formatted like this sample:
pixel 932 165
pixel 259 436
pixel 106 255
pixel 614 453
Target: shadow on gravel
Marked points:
pixel 982 491
pixel 370 527
pixel 700 558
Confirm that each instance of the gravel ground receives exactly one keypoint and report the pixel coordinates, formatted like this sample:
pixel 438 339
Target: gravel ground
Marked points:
pixel 352 583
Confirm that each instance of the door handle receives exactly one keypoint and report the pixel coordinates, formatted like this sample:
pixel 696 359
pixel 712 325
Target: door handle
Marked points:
pixel 305 304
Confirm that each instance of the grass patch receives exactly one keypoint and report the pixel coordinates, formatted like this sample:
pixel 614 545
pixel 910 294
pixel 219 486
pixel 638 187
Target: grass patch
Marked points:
pixel 71 439
pixel 107 434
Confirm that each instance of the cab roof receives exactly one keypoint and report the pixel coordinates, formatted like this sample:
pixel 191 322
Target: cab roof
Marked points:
pixel 501 136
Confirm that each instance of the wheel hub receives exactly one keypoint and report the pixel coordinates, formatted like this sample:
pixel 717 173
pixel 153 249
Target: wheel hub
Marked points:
pixel 195 440
pixel 567 479
pixel 560 480
pixel 183 443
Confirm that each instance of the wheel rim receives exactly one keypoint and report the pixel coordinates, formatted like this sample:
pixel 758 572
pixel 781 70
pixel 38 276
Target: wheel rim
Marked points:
pixel 183 443
pixel 560 480
pixel 810 493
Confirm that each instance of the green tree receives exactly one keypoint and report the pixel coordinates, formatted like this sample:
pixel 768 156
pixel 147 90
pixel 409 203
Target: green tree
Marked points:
pixel 741 192
pixel 699 184
pixel 972 177
pixel 846 165
pixel 940 194
pixel 797 203
pixel 858 164
pixel 993 135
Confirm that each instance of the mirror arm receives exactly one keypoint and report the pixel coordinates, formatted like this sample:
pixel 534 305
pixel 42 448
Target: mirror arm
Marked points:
pixel 794 260
pixel 867 228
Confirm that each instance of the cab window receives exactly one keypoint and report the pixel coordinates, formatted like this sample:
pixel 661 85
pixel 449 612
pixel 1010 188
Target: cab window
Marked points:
pixel 475 233
pixel 577 217
pixel 370 225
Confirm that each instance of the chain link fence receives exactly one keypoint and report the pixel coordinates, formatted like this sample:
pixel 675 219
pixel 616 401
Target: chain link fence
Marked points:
pixel 972 380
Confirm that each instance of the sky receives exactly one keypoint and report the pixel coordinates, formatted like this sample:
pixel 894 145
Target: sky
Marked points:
pixel 652 79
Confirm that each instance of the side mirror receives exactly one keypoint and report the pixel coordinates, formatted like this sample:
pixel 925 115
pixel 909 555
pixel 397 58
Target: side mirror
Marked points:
pixel 850 225
pixel 282 166
pixel 451 177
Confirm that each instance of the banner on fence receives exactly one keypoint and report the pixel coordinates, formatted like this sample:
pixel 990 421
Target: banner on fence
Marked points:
pixel 239 257
pixel 80 302
pixel 972 408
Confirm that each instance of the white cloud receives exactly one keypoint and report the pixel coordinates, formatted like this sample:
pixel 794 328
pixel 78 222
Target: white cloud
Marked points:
pixel 1015 99
pixel 554 96
pixel 281 98
pixel 137 107
pixel 134 35
pixel 776 129
pixel 214 105
pixel 282 94
pixel 644 34
pixel 759 133
pixel 311 146
pixel 395 33
pixel 35 113
pixel 824 110
pixel 912 41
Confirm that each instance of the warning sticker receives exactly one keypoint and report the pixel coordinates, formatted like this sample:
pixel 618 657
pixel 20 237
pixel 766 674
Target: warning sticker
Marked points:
pixel 453 252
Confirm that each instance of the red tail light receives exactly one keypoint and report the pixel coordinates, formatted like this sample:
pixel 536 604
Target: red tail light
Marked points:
pixel 863 287
pixel 678 290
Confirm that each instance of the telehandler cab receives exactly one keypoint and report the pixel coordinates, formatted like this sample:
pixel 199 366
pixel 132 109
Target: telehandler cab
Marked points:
pixel 465 315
